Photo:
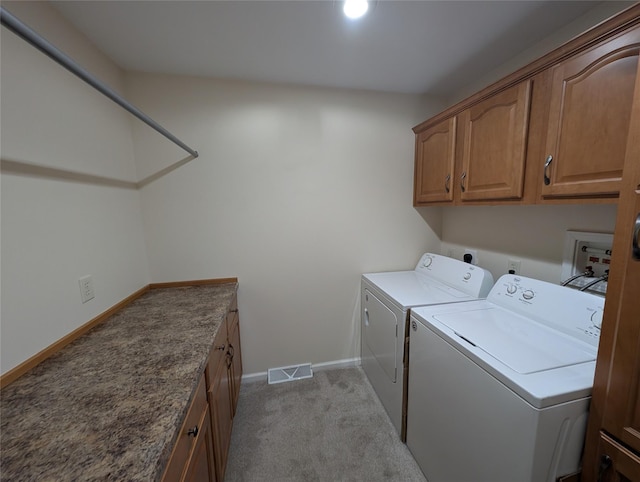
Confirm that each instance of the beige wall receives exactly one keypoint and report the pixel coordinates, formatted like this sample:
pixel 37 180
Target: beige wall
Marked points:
pixel 55 230
pixel 534 235
pixel 297 191
pixel 601 12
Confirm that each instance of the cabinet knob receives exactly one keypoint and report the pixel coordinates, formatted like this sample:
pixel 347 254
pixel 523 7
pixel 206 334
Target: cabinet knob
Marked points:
pixel 221 347
pixel 193 431
pixel 464 175
pixel 547 179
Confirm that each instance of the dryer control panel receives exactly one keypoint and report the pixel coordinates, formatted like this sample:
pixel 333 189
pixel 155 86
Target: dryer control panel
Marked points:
pixel 469 279
pixel 575 313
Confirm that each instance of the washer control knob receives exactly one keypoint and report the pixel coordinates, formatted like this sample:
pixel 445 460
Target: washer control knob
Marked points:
pixel 511 289
pixel 596 319
pixel 427 261
pixel 467 276
pixel 528 294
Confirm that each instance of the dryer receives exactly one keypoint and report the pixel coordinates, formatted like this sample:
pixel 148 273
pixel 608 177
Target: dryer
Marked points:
pixel 500 388
pixel 386 302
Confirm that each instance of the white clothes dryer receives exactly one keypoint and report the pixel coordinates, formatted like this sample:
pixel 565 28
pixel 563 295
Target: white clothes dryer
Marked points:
pixel 500 388
pixel 386 301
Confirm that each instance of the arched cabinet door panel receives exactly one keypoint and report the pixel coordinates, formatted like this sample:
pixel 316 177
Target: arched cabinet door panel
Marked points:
pixel 494 146
pixel 434 163
pixel 589 115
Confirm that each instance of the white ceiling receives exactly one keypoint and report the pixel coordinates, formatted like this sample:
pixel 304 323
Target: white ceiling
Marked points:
pixel 431 47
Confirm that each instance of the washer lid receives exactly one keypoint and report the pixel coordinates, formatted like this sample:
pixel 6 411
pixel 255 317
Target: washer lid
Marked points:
pixel 519 343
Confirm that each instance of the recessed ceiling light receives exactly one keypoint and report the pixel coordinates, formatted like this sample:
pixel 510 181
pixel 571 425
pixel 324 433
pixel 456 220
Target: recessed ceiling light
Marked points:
pixel 355 8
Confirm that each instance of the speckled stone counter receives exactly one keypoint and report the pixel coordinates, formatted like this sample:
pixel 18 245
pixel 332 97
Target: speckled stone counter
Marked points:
pixel 109 405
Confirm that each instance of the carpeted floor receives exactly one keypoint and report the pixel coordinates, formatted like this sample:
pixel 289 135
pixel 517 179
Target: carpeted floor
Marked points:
pixel 331 427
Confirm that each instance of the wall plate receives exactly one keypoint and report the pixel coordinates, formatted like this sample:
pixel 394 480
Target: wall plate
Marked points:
pixel 581 249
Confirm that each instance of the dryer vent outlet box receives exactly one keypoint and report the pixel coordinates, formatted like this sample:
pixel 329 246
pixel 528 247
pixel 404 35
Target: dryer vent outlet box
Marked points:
pixel 287 374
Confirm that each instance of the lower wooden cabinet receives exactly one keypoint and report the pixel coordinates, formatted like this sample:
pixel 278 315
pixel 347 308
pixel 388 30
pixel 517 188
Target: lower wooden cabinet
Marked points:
pixel 201 466
pixel 201 451
pixel 222 415
pixel 192 455
pixel 616 462
pixel 223 374
pixel 235 360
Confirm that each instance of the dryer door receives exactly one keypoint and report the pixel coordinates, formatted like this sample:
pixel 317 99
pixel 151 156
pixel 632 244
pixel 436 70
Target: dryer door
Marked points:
pixel 380 327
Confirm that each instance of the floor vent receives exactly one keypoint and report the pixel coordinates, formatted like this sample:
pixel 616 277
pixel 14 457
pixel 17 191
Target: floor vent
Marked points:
pixel 287 374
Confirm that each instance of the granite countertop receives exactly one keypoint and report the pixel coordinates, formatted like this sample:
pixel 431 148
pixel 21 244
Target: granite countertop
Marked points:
pixel 109 405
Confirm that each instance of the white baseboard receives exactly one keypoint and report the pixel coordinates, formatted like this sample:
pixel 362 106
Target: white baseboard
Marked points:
pixel 319 367
pixel 332 365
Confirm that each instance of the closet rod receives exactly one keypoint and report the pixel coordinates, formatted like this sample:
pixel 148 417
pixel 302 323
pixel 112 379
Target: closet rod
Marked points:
pixel 29 35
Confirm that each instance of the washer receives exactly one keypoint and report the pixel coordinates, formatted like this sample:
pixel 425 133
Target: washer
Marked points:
pixel 387 299
pixel 500 388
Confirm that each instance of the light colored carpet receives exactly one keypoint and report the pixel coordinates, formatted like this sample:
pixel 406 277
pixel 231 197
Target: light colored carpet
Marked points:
pixel 331 427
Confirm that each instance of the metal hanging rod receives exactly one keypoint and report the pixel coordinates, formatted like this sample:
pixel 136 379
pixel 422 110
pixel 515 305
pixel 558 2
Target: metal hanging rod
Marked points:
pixel 32 37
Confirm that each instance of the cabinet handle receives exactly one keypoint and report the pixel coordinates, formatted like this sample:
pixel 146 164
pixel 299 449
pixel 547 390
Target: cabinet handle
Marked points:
pixel 635 242
pixel 221 347
pixel 229 360
pixel 234 311
pixel 605 463
pixel 464 174
pixel 193 431
pixel 446 182
pixel 547 179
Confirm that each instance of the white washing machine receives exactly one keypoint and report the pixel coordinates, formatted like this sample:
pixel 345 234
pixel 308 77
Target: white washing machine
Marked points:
pixel 387 299
pixel 500 388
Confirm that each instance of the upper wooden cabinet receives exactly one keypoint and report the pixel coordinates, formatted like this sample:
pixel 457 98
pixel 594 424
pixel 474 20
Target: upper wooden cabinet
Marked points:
pixel 494 134
pixel 434 163
pixel 590 107
pixel 554 131
pixel 478 155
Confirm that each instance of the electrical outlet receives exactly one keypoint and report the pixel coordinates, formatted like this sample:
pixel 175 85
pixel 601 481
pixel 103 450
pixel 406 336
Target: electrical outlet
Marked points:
pixel 474 255
pixel 86 288
pixel 513 266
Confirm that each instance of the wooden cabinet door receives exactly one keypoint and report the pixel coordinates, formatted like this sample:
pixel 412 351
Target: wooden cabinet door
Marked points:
pixel 616 463
pixel 615 406
pixel 192 451
pixel 590 108
pixel 621 416
pixel 222 415
pixel 201 466
pixel 434 162
pixel 235 363
pixel 494 149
